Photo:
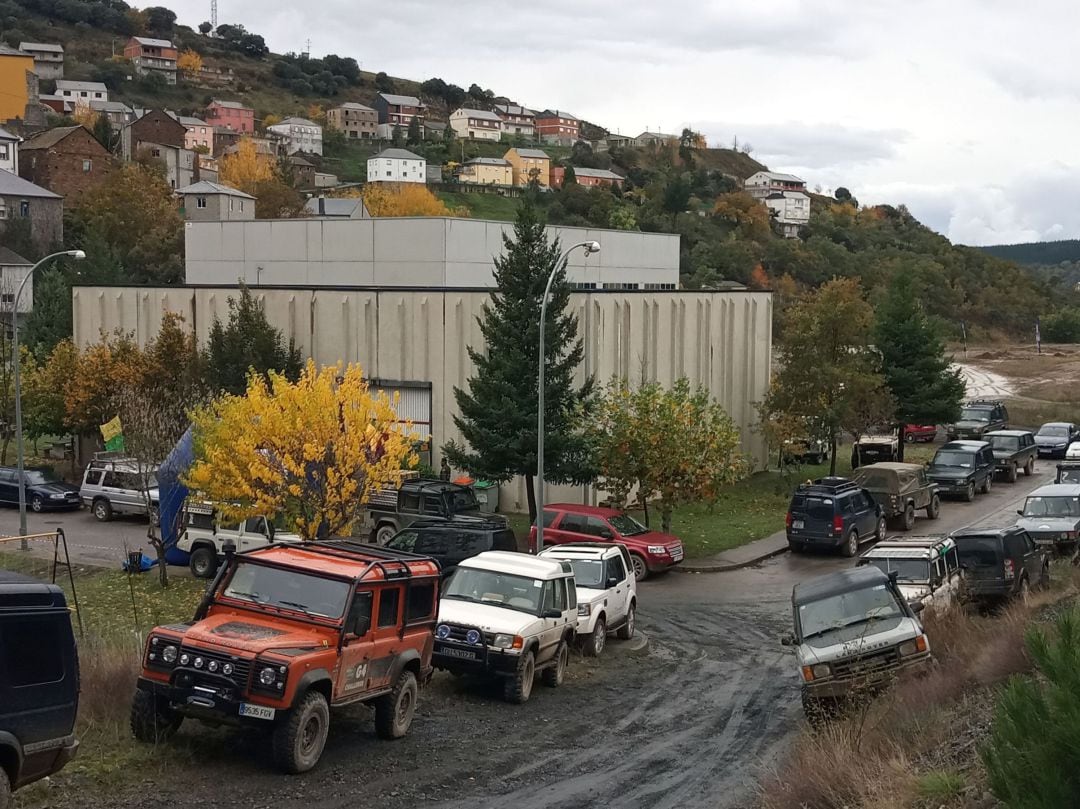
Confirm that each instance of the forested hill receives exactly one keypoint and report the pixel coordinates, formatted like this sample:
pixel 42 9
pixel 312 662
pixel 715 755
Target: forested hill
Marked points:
pixel 1067 250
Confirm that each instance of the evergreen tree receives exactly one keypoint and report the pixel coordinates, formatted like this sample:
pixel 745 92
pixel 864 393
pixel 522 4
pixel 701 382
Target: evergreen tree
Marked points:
pixel 415 136
pixel 247 342
pixel 569 177
pixel 926 388
pixel 103 131
pixel 398 137
pixel 498 411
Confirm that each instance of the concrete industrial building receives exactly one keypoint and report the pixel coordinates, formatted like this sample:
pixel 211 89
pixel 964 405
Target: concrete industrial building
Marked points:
pixel 414 341
pixel 410 252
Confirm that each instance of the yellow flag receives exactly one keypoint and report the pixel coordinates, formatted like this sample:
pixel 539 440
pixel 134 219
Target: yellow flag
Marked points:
pixel 111 429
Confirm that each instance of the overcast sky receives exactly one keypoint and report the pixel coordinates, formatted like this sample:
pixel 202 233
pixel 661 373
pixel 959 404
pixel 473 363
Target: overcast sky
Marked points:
pixel 967 111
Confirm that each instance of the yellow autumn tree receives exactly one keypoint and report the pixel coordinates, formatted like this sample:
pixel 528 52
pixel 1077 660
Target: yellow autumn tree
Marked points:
pixel 246 168
pixel 311 451
pixel 190 63
pixel 270 119
pixel 83 114
pixel 402 199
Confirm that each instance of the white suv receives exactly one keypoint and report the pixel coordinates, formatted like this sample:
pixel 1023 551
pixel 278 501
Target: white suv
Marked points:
pixel 509 615
pixel 607 591
pixel 204 537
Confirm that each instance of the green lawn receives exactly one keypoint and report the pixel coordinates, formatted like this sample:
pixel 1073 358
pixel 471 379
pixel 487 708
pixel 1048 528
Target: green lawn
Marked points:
pixel 482 206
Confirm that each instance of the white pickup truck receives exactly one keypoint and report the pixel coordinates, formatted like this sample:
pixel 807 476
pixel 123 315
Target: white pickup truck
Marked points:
pixel 204 537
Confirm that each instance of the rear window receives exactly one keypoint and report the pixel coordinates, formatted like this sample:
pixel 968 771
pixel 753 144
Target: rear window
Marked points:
pixel 979 551
pixel 816 508
pixel 1008 443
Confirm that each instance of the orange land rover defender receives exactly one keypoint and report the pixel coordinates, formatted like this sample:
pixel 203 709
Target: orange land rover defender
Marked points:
pixel 287 632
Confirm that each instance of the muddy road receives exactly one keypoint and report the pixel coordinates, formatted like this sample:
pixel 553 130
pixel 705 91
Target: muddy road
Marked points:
pixel 690 722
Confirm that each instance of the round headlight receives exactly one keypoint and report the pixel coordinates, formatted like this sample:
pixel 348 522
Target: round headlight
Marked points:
pixel 821 670
pixel 168 654
pixel 185 658
pixel 472 637
pixel 198 663
pixel 267 677
pixel 443 632
pixel 227 669
pixel 212 665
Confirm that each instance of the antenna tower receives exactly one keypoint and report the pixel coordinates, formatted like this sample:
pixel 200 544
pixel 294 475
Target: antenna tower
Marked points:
pixel 307 49
pixel 213 14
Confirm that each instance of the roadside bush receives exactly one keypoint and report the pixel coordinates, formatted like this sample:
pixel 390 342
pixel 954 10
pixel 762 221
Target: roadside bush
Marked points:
pixel 1062 327
pixel 1033 756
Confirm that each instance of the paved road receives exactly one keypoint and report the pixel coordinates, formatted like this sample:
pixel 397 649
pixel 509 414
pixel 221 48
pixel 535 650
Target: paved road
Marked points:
pixel 89 541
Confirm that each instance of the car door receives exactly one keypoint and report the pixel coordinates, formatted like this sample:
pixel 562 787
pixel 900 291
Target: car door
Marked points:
pixel 253 534
pixel 954 577
pixel 355 667
pixel 619 601
pixel 866 513
pixel 1033 560
pixel 572 528
pixel 554 599
pixel 599 530
pixel 9 492
pixel 386 635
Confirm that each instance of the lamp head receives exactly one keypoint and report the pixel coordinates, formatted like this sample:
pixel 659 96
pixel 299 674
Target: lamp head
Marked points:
pixel 78 255
pixel 592 247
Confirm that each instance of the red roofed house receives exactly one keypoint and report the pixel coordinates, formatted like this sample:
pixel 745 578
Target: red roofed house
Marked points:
pixel 231 115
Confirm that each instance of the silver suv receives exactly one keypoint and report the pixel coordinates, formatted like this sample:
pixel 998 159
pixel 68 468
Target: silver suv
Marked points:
pixel 112 485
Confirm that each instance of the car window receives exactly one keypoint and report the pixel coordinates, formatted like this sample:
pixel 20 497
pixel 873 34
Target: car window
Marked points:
pixel 573 522
pixel 421 602
pixel 409 501
pixel 93 477
pixel 549 518
pixel 32 652
pixel 571 594
pixel 1029 544
pixel 255 525
pixel 433 541
pixel 1015 545
pixel 503 541
pixel 361 608
pixel 470 543
pixel 200 519
pixel 596 527
pixel 405 541
pixel 937 572
pixel 815 508
pixel 615 568
pixel 555 595
pixel 952 562
pixel 388 606
pixel 432 505
pixel 7 476
pixel 952 458
pixel 848 504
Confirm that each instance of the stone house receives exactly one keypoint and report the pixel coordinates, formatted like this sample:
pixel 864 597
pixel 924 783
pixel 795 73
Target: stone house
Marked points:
pixel 67 160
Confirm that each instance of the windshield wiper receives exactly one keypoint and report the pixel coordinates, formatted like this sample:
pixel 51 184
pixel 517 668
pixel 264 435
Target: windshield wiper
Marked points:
pixel 241 594
pixel 302 607
pixel 458 597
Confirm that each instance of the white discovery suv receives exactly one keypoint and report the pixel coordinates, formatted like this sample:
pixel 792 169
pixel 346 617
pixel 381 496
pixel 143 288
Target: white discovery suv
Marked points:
pixel 508 615
pixel 607 591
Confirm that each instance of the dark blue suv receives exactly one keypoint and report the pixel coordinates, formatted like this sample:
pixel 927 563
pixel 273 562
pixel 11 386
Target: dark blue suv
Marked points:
pixel 833 513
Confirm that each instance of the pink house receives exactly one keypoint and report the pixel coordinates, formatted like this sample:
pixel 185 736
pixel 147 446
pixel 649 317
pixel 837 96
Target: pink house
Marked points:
pixel 231 115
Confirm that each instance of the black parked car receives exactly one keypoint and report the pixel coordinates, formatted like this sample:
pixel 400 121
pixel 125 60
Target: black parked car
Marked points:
pixel 44 491
pixel 39 682
pixel 450 542
pixel 833 513
pixel 961 467
pixel 1001 563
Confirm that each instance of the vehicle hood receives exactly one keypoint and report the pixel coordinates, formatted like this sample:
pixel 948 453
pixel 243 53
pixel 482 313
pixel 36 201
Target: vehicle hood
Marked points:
pixel 971 425
pixel 949 472
pixel 652 538
pixel 1043 525
pixel 1051 440
pixel 913 591
pixel 1004 453
pixel 56 487
pixel 588 594
pixel 857 640
pixel 486 617
pixel 247 632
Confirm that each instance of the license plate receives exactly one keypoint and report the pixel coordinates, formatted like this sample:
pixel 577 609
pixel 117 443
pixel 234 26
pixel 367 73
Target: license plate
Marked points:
pixel 464 654
pixel 256 711
pixel 677 554
pixel 797 524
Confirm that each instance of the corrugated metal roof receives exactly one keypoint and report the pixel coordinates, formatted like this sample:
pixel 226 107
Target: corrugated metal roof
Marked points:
pixel 45 47
pixel 207 187
pixel 153 43
pixel 536 153
pixel 599 174
pixel 89 86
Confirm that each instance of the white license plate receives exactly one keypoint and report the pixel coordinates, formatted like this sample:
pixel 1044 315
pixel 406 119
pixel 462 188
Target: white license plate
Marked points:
pixel 464 654
pixel 797 524
pixel 677 554
pixel 256 711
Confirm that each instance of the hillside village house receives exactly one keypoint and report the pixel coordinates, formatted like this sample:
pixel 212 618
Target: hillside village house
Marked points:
pixel 21 199
pixel 476 124
pixel 558 127
pixel 67 160
pixel 786 198
pixel 152 56
pixel 212 202
pixel 648 138
pixel 763 183
pixel 13 269
pixel 48 58
pixel 527 161
pixel 82 93
pixel 357 121
pixel 590 178
pixel 18 81
pixel 486 171
pixel 230 115
pixel 299 135
pixel 9 151
pixel 516 120
pixel 158 136
pixel 199 133
pixel 396 166
pixel 118 113
pixel 397 110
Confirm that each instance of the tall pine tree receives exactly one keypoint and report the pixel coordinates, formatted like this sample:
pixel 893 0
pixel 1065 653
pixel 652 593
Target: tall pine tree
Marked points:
pixel 919 375
pixel 498 411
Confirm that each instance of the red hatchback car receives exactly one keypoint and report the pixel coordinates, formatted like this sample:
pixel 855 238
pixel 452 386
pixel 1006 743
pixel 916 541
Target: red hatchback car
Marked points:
pixel 650 551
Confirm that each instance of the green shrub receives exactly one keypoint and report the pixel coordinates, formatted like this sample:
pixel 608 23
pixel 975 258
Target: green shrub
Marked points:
pixel 1033 755
pixel 1062 326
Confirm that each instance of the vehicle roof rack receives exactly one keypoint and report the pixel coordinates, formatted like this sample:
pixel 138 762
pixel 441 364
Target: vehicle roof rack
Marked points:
pixel 832 484
pixel 984 401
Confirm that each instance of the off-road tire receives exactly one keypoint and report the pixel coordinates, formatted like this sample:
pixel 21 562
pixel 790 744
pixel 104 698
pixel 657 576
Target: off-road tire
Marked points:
pixel 816 710
pixel 1029 467
pixel 554 674
pixel 988 484
pixel 1044 579
pixel 203 562
pixel 5 790
pixel 593 643
pixel 881 531
pixel 851 544
pixel 909 438
pixel 298 741
pixel 518 686
pixel 933 511
pixel 102 510
pixel 394 712
pixel 626 631
pixel 384 533
pixel 1013 473
pixel 907 522
pixel 641 568
pixel 969 492
pixel 151 719
pixel 37 503
pixel 1024 593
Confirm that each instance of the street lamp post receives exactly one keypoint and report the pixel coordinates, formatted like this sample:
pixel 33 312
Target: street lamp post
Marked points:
pixel 590 247
pixel 75 254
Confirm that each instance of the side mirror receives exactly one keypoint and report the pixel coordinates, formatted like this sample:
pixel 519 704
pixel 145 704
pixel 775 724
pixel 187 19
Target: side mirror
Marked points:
pixel 359 625
pixel 1020 511
pixel 917 607
pixel 787 640
pixel 611 582
pixel 229 549
pixel 606 534
pixel 553 613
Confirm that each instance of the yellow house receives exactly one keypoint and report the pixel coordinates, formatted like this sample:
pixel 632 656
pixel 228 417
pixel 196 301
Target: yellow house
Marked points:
pixel 14 94
pixel 525 161
pixel 486 171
